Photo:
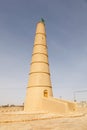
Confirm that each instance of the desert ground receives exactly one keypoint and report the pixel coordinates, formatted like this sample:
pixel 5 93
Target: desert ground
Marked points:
pixel 14 118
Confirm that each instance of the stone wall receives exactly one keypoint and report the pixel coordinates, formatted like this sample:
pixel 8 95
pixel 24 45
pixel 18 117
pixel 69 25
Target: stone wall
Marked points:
pixel 11 109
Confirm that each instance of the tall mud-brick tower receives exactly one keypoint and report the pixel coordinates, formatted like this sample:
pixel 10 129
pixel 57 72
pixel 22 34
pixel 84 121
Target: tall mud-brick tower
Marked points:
pixel 39 84
pixel 39 95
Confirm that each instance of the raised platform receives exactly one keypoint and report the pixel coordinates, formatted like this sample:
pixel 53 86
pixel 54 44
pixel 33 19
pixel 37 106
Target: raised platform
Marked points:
pixel 20 120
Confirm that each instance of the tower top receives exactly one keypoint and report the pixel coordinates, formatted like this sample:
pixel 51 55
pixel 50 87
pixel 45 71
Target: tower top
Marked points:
pixel 42 20
pixel 40 28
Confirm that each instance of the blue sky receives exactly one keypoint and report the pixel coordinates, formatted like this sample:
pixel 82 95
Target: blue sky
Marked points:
pixel 66 28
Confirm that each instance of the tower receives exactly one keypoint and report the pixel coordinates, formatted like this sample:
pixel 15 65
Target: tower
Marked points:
pixel 39 84
pixel 39 95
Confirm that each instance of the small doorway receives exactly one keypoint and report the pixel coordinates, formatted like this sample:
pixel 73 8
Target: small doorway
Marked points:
pixel 45 93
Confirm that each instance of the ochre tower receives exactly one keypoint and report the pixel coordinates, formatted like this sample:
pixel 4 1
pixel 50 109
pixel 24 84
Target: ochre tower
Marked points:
pixel 39 95
pixel 39 84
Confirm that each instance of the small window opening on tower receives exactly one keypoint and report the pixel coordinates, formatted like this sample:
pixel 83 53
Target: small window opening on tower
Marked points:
pixel 45 93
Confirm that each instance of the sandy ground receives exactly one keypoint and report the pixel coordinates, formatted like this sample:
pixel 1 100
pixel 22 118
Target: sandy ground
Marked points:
pixel 43 121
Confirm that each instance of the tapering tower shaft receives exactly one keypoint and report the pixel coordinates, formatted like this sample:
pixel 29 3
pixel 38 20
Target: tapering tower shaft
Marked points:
pixel 39 84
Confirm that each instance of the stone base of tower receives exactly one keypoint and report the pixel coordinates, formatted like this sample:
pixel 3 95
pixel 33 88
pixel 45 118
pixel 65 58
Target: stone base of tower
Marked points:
pixel 52 105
